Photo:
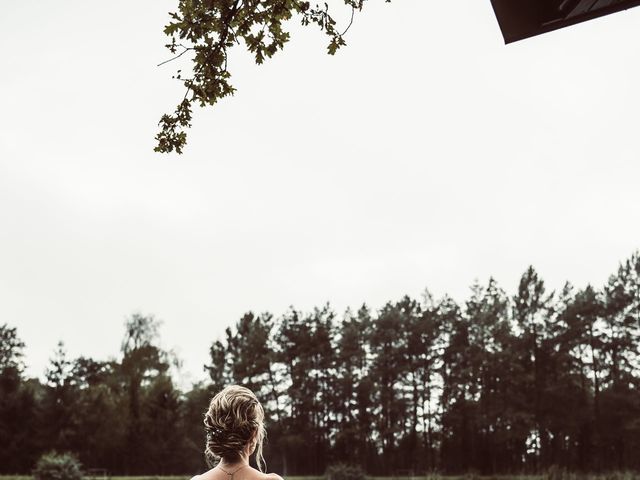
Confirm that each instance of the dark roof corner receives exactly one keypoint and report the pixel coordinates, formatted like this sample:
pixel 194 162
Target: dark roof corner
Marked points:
pixel 520 19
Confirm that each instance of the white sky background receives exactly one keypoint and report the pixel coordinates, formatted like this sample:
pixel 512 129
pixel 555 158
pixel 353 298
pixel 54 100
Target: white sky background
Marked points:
pixel 424 154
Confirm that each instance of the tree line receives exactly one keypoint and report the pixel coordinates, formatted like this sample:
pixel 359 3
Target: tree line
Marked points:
pixel 499 384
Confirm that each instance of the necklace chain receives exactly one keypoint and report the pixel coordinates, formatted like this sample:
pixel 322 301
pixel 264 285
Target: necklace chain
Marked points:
pixel 232 473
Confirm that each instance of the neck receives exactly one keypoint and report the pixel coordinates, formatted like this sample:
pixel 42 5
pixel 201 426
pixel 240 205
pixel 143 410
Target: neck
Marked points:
pixel 227 464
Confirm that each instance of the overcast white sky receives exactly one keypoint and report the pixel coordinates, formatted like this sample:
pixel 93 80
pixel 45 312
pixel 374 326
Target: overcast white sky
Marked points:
pixel 425 154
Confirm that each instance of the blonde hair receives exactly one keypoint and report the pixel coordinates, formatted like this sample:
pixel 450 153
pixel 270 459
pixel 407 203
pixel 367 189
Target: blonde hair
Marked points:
pixel 232 420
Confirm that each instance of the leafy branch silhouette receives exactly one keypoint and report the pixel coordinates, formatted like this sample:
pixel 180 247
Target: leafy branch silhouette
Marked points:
pixel 207 29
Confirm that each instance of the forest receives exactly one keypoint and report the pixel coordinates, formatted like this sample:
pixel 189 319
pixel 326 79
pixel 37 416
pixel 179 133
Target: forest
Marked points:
pixel 501 384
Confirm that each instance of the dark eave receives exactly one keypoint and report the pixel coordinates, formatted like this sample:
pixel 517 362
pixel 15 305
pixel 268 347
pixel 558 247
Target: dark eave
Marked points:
pixel 521 19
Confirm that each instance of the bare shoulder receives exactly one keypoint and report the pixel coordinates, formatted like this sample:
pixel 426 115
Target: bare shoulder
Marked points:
pixel 208 475
pixel 273 476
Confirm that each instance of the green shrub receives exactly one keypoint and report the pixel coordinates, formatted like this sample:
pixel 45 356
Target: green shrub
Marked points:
pixel 621 475
pixel 556 472
pixel 58 466
pixel 344 471
pixel 471 474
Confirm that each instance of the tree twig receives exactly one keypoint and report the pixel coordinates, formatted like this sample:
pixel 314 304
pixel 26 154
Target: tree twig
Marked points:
pixel 176 57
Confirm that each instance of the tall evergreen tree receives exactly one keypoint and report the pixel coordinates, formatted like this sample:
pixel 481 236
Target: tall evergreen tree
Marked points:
pixel 18 440
pixel 142 361
pixel 531 314
pixel 352 400
pixel 389 364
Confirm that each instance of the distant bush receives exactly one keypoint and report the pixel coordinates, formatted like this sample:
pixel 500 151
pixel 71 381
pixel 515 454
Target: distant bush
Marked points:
pixel 622 475
pixel 556 472
pixel 472 474
pixel 343 471
pixel 58 466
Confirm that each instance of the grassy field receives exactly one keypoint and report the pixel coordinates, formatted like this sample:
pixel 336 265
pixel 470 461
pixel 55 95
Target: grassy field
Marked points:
pixel 614 476
pixel 186 477
pixel 183 477
pixel 433 477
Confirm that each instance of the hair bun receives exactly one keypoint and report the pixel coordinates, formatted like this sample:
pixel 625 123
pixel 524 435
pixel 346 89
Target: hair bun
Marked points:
pixel 234 418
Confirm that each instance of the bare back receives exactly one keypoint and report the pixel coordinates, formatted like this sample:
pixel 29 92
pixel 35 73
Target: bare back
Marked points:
pixel 247 473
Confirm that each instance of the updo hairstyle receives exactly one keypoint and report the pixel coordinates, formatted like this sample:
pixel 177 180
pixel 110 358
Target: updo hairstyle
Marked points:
pixel 234 419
